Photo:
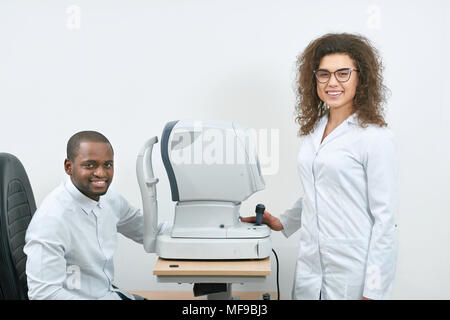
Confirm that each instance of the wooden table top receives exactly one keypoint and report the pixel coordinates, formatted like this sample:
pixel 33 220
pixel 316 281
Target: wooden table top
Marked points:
pixel 245 268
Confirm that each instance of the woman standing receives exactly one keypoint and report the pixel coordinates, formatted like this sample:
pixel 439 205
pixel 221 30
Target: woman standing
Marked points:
pixel 347 166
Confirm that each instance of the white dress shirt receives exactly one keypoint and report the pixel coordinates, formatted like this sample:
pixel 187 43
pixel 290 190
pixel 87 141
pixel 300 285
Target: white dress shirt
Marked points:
pixel 347 215
pixel 71 241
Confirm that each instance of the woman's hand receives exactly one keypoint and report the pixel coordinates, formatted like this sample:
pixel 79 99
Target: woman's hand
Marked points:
pixel 273 222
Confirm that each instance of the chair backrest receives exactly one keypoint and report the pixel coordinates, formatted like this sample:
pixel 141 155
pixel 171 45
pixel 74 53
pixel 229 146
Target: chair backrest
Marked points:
pixel 17 206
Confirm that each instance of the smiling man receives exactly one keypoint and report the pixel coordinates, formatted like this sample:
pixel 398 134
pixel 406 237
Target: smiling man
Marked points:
pixel 71 240
pixel 90 163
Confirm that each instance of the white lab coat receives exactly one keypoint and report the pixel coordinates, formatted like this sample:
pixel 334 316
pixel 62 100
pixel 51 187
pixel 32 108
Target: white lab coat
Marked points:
pixel 347 215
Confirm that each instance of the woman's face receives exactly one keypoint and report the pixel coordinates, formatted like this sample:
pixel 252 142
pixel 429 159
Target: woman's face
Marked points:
pixel 337 94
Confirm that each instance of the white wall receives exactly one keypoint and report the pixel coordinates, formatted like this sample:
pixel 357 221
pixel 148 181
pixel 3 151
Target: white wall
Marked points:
pixel 125 68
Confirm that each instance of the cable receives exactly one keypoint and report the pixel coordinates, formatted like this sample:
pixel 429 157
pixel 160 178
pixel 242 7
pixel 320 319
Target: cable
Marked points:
pixel 278 275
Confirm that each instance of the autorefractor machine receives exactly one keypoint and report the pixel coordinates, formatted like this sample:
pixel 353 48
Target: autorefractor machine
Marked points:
pixel 212 167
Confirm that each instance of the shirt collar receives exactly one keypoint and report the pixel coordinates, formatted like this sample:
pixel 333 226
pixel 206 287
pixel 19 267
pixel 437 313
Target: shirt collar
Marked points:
pixel 352 119
pixel 318 132
pixel 86 203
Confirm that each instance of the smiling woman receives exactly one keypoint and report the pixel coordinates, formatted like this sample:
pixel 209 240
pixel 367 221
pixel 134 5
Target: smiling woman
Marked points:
pixel 364 67
pixel 347 166
pixel 348 169
pixel 336 89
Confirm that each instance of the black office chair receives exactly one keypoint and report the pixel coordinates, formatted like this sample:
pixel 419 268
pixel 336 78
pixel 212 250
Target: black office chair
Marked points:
pixel 17 206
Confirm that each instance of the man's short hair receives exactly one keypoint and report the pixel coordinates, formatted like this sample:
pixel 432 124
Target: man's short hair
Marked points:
pixel 73 145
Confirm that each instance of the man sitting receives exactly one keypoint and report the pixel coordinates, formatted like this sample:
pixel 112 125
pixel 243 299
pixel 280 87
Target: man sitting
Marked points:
pixel 72 238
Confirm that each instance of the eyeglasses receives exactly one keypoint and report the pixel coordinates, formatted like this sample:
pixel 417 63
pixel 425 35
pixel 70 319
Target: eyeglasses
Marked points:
pixel 341 75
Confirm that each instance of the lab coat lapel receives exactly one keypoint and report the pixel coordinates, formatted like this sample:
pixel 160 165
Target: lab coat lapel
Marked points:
pixel 338 131
pixel 318 133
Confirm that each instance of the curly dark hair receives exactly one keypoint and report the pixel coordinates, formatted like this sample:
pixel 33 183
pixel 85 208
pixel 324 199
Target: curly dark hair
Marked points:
pixel 371 93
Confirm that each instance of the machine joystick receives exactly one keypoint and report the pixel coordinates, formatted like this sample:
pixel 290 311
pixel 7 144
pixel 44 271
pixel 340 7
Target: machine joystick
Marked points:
pixel 259 213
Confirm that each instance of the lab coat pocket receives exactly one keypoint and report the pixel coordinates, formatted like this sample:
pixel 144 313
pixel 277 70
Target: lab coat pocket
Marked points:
pixel 344 263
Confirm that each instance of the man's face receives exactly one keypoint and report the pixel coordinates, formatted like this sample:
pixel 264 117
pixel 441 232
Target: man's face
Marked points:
pixel 92 169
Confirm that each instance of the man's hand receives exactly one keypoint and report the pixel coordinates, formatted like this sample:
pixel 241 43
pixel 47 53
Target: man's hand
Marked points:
pixel 273 222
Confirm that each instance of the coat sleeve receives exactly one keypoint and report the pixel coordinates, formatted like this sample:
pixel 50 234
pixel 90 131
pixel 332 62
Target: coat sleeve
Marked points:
pixel 291 218
pixel 380 163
